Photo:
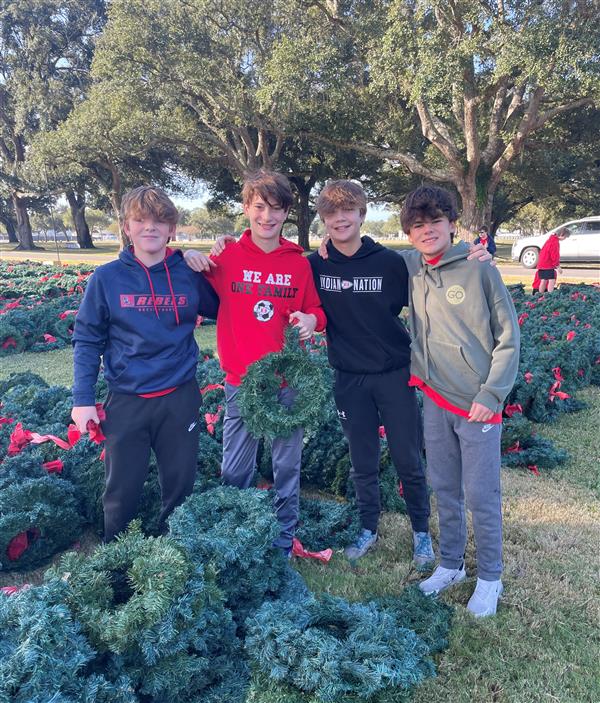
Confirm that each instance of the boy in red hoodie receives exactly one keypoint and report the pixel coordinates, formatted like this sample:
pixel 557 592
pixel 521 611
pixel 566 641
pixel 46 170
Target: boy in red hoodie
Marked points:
pixel 549 261
pixel 263 283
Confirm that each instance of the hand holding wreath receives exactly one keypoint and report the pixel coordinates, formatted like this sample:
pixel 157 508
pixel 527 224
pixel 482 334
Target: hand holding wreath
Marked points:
pixel 258 400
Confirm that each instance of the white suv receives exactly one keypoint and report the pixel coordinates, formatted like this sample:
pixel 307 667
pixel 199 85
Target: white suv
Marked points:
pixel 582 245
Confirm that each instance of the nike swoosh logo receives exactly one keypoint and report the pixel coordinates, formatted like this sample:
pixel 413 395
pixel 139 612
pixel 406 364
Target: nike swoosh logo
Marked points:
pixel 191 427
pixel 486 428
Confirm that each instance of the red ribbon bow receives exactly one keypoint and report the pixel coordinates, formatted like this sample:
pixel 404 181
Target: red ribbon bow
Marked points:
pixel 53 467
pixel 212 387
pixel 510 410
pixel 9 342
pixel 66 313
pixel 212 419
pixel 299 551
pixel 11 590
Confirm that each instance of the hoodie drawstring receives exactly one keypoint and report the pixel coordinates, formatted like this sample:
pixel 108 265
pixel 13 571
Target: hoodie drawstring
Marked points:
pixel 152 288
pixel 171 291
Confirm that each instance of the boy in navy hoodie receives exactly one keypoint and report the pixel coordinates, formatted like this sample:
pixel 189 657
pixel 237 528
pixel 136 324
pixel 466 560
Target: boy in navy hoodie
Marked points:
pixel 138 314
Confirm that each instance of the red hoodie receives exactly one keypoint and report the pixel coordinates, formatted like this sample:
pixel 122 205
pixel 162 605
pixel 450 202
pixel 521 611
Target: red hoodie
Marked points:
pixel 550 254
pixel 257 292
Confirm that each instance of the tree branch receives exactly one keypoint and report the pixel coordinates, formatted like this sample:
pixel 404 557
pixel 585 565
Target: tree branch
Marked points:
pixel 514 148
pixel 494 142
pixel 470 112
pixel 443 145
pixel 407 160
pixel 560 109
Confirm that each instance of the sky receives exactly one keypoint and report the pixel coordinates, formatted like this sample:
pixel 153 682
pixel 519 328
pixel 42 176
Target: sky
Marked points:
pixel 375 212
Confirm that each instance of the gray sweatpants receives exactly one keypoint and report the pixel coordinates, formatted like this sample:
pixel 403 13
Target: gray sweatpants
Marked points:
pixel 239 462
pixel 463 459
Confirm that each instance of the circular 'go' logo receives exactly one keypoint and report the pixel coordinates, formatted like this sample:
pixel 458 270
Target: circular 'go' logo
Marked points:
pixel 455 295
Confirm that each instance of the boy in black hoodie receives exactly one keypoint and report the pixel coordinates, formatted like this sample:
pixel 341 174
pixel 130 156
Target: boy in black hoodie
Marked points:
pixel 363 287
pixel 139 315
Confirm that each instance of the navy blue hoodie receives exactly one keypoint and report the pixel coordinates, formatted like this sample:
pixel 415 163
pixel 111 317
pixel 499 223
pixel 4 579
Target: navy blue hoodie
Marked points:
pixel 141 321
pixel 362 296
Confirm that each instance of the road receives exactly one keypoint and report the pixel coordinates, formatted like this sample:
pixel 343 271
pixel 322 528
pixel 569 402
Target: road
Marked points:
pixel 590 273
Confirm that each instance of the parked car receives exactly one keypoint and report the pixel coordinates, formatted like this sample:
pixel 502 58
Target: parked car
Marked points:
pixel 582 245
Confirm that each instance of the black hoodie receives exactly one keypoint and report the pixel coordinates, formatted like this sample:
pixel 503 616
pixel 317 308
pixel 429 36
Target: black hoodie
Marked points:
pixel 362 296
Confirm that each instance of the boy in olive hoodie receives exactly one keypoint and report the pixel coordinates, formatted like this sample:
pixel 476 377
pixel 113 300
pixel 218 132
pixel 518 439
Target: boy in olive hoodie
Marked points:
pixel 464 357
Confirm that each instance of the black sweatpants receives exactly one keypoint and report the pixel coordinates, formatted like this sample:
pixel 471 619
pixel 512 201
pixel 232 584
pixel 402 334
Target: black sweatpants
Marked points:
pixel 364 402
pixel 170 426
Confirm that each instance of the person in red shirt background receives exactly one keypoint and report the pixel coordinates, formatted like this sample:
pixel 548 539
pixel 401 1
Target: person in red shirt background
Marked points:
pixel 549 261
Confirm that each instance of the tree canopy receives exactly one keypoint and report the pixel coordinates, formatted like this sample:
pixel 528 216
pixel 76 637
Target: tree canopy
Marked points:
pixel 493 98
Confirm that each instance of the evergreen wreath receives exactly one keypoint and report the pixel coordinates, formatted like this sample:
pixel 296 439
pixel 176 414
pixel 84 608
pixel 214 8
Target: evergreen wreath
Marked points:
pixel 155 617
pixel 263 414
pixel 38 517
pixel 327 523
pixel 522 447
pixel 46 657
pixel 333 648
pixel 124 587
pixel 234 530
pixel 429 617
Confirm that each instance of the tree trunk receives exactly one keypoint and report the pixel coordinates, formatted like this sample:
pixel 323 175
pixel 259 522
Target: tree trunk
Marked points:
pixel 24 233
pixel 11 231
pixel 472 215
pixel 305 218
pixel 305 215
pixel 115 199
pixel 77 204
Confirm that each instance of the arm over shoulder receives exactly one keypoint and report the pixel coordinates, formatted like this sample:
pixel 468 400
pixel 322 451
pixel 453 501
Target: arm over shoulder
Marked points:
pixel 208 304
pixel 311 302
pixel 412 258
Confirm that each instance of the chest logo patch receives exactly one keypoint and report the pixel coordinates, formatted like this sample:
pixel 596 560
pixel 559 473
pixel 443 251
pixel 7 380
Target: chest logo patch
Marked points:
pixel 264 310
pixel 455 295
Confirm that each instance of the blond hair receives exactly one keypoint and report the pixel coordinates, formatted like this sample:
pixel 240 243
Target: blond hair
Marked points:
pixel 341 194
pixel 149 200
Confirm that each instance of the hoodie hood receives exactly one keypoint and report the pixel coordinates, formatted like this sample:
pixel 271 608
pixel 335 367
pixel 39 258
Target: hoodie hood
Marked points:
pixel 285 247
pixel 367 248
pixel 172 257
pixel 455 253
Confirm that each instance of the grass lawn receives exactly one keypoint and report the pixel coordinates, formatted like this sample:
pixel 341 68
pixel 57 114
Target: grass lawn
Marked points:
pixel 544 643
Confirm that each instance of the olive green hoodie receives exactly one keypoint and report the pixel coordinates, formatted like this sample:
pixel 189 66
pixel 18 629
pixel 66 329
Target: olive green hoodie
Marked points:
pixel 465 335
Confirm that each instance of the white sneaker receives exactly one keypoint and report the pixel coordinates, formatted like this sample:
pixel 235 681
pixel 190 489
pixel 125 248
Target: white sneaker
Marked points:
pixel 484 600
pixel 441 579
